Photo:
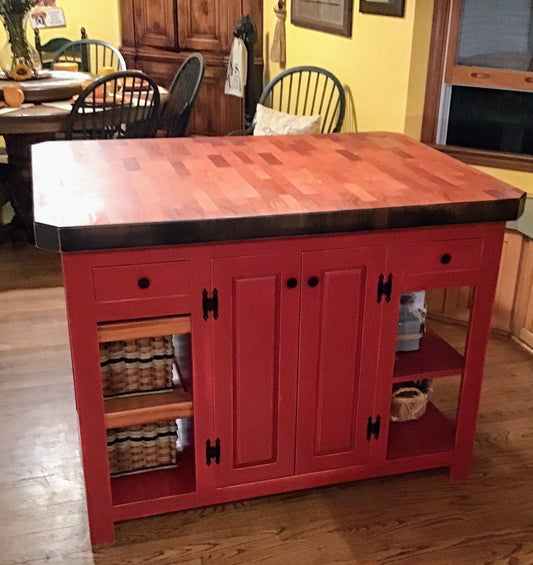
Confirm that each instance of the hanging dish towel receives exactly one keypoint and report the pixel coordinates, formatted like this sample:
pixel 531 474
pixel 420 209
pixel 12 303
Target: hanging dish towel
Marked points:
pixel 237 66
pixel 278 49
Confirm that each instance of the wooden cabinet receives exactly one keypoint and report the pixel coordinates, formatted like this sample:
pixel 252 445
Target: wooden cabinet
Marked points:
pixel 339 325
pixel 157 36
pixel 255 366
pixel 522 328
pixel 285 364
pixel 288 360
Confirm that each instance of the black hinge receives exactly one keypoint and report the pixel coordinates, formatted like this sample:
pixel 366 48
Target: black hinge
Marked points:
pixel 210 304
pixel 384 288
pixel 372 428
pixel 212 451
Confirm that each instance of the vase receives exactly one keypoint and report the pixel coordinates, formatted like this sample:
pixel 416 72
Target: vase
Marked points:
pixel 18 58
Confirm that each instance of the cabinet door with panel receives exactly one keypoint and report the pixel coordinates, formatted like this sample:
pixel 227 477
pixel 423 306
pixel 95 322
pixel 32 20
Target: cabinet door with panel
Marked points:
pixel 294 364
pixel 255 340
pixel 207 25
pixel 339 329
pixel 155 23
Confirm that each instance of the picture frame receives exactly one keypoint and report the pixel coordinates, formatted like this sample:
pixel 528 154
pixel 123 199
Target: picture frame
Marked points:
pixel 331 16
pixel 383 7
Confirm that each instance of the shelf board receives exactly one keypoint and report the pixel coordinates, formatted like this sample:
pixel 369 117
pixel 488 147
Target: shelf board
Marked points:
pixel 147 408
pixel 432 433
pixel 155 484
pixel 435 358
pixel 135 329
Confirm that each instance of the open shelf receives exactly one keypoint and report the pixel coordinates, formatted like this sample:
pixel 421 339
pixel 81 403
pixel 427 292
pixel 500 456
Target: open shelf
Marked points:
pixel 432 433
pixel 147 408
pixel 151 485
pixel 435 358
pixel 136 329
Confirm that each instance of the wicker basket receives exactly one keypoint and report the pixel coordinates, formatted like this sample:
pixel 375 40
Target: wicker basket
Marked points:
pixel 408 403
pixel 136 365
pixel 142 448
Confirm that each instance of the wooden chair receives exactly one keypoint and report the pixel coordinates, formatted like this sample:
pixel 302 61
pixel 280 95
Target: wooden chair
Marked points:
pixel 177 108
pixel 48 51
pixel 307 91
pixel 117 105
pixel 91 55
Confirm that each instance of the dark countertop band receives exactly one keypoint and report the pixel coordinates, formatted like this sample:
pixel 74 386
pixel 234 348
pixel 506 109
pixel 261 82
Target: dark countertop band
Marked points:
pixel 93 195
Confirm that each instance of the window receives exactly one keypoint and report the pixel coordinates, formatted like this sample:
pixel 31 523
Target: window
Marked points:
pixel 479 97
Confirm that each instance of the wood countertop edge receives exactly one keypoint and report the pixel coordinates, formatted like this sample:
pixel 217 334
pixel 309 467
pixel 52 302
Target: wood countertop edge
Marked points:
pixel 92 238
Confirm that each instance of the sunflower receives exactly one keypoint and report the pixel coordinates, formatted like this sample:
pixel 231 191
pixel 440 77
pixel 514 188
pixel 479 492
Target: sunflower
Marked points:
pixel 21 71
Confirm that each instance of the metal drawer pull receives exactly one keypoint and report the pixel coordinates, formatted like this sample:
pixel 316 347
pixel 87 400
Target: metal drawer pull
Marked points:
pixel 292 283
pixel 446 258
pixel 143 282
pixel 313 281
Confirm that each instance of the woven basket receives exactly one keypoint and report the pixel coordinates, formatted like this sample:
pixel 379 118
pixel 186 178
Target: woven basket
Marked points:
pixel 142 448
pixel 408 403
pixel 136 365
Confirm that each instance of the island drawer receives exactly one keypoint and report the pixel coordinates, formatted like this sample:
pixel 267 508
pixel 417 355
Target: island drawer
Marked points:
pixel 444 256
pixel 137 282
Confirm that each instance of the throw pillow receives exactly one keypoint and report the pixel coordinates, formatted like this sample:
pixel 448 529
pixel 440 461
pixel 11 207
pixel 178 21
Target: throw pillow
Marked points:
pixel 273 122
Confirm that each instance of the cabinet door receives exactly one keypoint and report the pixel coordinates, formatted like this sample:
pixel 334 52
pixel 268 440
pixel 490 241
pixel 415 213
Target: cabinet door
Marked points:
pixel 340 320
pixel 155 23
pixel 205 25
pixel 255 366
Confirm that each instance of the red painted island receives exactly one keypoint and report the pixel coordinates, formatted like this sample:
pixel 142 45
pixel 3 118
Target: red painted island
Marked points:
pixel 241 294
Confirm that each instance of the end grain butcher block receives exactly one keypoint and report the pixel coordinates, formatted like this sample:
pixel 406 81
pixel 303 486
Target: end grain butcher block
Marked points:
pixel 145 192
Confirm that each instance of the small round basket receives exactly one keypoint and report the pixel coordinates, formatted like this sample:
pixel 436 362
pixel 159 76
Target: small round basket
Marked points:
pixel 408 403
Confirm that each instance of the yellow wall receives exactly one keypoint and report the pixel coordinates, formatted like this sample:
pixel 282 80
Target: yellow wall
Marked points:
pixel 99 17
pixel 382 66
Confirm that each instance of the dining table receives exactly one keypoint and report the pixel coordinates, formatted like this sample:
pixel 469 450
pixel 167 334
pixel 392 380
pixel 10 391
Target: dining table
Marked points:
pixel 41 117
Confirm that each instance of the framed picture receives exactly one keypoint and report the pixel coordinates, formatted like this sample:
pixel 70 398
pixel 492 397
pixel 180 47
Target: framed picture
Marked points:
pixel 332 16
pixel 382 7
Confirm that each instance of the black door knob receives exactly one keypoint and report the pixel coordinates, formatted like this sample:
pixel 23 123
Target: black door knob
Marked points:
pixel 446 258
pixel 313 281
pixel 292 282
pixel 143 282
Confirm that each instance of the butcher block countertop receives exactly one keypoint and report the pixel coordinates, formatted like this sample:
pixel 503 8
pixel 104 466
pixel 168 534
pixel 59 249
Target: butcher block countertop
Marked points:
pixel 92 195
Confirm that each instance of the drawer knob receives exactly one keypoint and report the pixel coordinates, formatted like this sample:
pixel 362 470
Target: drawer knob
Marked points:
pixel 143 282
pixel 446 258
pixel 313 281
pixel 292 283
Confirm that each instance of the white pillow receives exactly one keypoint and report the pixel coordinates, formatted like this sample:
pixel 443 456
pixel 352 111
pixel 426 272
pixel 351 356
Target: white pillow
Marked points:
pixel 273 122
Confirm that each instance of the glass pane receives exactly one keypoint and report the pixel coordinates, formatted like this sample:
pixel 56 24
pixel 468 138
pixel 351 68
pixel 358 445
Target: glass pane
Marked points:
pixel 490 119
pixel 496 34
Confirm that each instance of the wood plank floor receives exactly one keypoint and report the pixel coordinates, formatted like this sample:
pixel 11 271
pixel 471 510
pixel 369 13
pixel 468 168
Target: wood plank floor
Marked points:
pixel 418 518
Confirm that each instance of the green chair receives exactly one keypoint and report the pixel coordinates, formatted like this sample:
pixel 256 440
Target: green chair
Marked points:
pixel 124 104
pixel 307 91
pixel 92 55
pixel 177 108
pixel 48 51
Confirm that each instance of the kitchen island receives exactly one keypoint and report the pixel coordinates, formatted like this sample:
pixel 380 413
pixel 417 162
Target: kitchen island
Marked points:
pixel 242 294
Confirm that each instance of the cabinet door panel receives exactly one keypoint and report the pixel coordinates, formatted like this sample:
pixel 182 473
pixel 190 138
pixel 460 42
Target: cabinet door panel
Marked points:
pixel 155 23
pixel 255 366
pixel 204 24
pixel 337 357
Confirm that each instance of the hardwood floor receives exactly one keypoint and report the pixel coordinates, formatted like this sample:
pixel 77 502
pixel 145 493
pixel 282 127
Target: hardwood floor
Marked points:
pixel 419 518
pixel 25 266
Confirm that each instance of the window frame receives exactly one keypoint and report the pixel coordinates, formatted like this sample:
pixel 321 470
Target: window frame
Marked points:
pixel 440 65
